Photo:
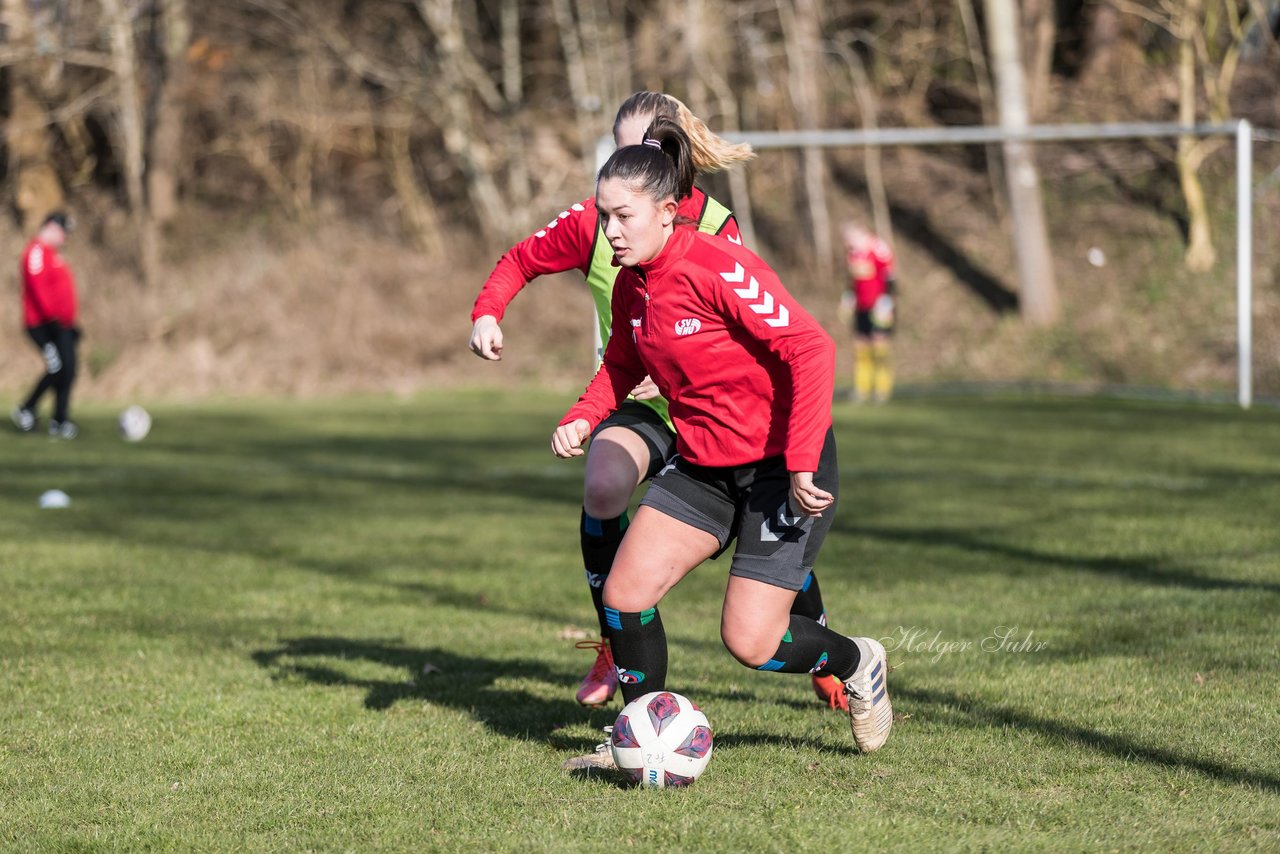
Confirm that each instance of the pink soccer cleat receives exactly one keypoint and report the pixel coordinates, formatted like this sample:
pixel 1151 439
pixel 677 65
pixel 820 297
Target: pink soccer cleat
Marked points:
pixel 599 685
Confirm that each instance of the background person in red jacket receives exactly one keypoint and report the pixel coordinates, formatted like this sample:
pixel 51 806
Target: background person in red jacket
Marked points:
pixel 749 375
pixel 50 314
pixel 870 299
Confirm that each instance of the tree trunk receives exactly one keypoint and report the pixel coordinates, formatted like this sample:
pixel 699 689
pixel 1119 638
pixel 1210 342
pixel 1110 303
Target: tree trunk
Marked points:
pixel 461 140
pixel 1040 33
pixel 167 155
pixel 520 188
pixel 1200 255
pixel 868 109
pixel 1102 42
pixel 130 120
pixel 986 105
pixel 707 73
pixel 801 29
pixel 579 86
pixel 37 190
pixel 1038 294
pixel 417 213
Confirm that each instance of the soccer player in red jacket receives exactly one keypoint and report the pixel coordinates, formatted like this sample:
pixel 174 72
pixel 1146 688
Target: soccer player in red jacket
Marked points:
pixel 50 314
pixel 749 375
pixel 870 296
pixel 634 442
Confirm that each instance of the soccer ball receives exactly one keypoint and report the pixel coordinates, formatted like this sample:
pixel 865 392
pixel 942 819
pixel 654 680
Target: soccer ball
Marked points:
pixel 661 739
pixel 134 424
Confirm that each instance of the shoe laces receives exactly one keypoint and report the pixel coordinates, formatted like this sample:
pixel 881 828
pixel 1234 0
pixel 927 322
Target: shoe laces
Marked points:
pixel 604 746
pixel 604 658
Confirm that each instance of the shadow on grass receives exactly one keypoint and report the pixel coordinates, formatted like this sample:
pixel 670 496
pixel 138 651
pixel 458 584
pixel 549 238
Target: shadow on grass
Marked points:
pixel 441 677
pixel 1117 746
pixel 1138 570
pixel 469 684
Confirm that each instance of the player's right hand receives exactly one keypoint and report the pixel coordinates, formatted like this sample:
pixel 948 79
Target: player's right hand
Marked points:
pixel 486 338
pixel 567 440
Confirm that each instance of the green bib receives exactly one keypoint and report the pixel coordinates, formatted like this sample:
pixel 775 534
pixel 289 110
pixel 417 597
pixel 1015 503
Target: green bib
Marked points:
pixel 602 274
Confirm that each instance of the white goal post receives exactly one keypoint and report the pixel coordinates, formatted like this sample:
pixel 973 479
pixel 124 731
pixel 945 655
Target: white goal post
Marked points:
pixel 1241 130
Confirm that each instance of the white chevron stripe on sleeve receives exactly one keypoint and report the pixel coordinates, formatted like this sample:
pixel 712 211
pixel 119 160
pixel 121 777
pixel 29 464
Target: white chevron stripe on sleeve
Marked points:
pixel 737 275
pixel 765 306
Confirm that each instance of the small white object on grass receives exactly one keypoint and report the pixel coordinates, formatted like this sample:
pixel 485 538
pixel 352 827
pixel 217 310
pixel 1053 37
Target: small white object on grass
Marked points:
pixel 134 423
pixel 1096 257
pixel 54 499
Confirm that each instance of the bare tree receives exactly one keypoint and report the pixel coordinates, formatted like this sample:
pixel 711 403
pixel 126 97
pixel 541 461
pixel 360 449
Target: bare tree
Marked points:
pixel 130 123
pixel 1040 32
pixel 571 41
pixel 460 80
pixel 801 28
pixel 1102 41
pixel 986 102
pixel 1201 255
pixel 37 187
pixel 868 109
pixel 1210 35
pixel 1038 293
pixel 708 59
pixel 169 116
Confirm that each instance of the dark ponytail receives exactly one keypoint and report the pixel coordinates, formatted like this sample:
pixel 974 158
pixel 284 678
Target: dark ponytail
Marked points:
pixel 662 166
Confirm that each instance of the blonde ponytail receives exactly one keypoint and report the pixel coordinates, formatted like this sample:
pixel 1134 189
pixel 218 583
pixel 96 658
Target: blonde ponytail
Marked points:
pixel 710 153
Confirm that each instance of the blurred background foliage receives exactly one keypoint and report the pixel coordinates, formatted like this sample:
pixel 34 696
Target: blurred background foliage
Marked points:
pixel 304 196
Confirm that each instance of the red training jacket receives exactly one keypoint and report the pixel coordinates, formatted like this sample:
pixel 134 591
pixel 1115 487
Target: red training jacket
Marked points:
pixel 749 373
pixel 566 243
pixel 871 270
pixel 48 288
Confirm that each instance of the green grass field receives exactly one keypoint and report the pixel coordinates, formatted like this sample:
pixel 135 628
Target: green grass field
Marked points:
pixel 348 625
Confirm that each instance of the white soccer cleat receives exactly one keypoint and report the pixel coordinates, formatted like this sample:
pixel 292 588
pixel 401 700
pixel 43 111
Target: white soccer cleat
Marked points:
pixel 24 419
pixel 600 759
pixel 870 712
pixel 63 429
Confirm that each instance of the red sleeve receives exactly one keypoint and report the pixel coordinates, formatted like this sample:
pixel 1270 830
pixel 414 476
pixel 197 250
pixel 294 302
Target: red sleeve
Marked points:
pixel 563 244
pixel 757 301
pixel 619 373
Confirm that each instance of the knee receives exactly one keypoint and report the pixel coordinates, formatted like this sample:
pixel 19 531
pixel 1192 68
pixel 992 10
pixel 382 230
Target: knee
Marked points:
pixel 627 598
pixel 607 492
pixel 751 648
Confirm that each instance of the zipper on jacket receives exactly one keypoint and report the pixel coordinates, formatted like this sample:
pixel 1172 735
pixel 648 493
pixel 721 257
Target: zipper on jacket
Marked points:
pixel 644 282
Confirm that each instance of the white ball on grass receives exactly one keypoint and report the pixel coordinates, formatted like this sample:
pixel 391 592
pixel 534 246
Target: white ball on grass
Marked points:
pixel 661 739
pixel 134 423
pixel 54 499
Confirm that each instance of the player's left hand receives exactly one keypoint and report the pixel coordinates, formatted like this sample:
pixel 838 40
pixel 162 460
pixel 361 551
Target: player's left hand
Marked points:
pixel 807 498
pixel 567 440
pixel 646 390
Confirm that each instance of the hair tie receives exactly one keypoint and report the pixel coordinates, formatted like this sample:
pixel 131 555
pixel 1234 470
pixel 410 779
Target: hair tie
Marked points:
pixel 654 143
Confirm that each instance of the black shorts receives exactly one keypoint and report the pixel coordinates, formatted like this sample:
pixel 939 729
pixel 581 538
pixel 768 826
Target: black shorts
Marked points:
pixel 863 325
pixel 57 345
pixel 751 503
pixel 649 426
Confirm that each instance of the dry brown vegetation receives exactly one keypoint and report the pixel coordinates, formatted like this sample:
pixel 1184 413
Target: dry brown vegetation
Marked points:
pixel 348 174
